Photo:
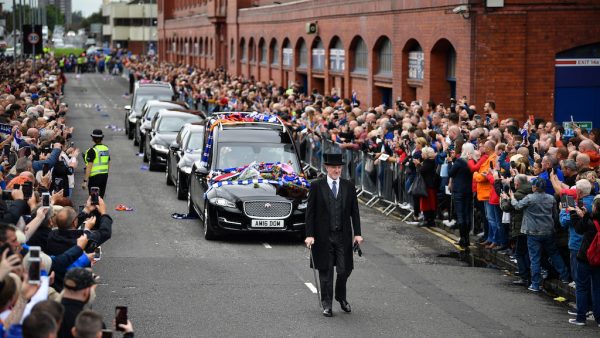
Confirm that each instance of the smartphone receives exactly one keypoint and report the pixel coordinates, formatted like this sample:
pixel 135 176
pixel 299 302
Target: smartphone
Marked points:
pixel 34 265
pixel 107 333
pixel 570 201
pixel 6 150
pixel 506 189
pixel 120 316
pixel 95 193
pixel 81 207
pixel 45 169
pixel 3 248
pixel 98 253
pixel 46 199
pixel 27 190
pixel 16 186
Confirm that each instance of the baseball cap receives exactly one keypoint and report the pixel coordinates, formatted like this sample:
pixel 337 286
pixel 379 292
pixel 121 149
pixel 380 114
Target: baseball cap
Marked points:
pixel 78 279
pixel 34 96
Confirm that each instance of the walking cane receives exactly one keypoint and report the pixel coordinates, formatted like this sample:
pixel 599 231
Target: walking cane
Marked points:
pixel 314 269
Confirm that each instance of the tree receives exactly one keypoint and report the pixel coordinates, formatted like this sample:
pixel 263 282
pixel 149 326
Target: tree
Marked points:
pixel 94 18
pixel 54 17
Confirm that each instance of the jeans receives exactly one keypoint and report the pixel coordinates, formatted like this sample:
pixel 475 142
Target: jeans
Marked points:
pixel 547 243
pixel 588 281
pixel 574 262
pixel 522 256
pixel 464 209
pixel 494 218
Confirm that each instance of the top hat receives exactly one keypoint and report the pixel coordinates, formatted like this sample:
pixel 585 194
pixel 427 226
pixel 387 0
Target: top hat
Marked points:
pixel 97 133
pixel 333 159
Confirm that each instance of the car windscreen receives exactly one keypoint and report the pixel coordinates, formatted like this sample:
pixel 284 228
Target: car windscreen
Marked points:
pixel 232 154
pixel 140 99
pixel 152 111
pixel 172 124
pixel 195 141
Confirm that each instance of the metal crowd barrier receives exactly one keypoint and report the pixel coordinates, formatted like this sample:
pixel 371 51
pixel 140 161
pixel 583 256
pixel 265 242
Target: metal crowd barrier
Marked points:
pixel 381 182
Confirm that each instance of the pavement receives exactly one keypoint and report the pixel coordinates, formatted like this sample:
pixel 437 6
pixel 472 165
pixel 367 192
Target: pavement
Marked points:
pixel 176 284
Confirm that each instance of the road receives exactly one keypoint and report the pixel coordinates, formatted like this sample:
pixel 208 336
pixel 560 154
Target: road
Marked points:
pixel 176 284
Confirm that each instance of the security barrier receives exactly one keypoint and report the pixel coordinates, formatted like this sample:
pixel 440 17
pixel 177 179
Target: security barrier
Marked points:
pixel 382 183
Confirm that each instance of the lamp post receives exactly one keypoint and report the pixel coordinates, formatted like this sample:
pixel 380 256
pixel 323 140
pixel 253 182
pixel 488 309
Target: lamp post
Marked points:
pixel 143 27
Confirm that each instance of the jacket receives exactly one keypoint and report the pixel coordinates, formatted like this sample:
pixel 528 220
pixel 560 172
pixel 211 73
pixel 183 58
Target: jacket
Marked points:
pixel 61 264
pixel 516 216
pixel 539 213
pixel 585 227
pixel 10 213
pixel 484 187
pixel 565 222
pixel 462 179
pixel 428 171
pixel 60 241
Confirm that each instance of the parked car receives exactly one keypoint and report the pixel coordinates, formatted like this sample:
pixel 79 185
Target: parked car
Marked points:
pixel 259 207
pixel 150 109
pixel 142 92
pixel 165 126
pixel 183 152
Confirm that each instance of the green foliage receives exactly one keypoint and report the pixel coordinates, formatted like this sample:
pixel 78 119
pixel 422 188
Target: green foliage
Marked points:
pixel 54 17
pixel 59 52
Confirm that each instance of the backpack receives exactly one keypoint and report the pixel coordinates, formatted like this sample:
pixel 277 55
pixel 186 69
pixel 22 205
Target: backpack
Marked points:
pixel 593 252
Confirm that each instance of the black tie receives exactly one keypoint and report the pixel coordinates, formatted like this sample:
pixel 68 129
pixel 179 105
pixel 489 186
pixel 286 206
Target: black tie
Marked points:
pixel 334 189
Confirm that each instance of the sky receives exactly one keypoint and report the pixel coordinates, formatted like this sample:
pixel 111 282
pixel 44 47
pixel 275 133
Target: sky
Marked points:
pixel 87 7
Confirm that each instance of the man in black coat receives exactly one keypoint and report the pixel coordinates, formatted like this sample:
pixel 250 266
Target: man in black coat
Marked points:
pixel 330 236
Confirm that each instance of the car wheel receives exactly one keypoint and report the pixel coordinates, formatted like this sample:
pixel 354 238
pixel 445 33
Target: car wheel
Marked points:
pixel 130 131
pixel 191 211
pixel 179 186
pixel 209 233
pixel 168 174
pixel 152 165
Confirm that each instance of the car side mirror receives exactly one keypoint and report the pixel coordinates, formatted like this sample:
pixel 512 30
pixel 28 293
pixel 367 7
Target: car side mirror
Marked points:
pixel 127 107
pixel 174 146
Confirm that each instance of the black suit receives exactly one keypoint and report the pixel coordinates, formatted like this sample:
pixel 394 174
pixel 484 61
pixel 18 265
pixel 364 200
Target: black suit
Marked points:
pixel 332 248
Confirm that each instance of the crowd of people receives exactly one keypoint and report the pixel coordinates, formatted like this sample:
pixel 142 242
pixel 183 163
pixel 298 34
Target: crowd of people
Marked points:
pixel 47 247
pixel 522 188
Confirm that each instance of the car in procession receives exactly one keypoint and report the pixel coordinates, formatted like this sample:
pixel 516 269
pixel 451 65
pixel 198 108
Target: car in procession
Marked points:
pixel 150 109
pixel 183 152
pixel 249 179
pixel 144 91
pixel 165 126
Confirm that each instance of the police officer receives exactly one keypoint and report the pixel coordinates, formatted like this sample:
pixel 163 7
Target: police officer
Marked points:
pixel 96 164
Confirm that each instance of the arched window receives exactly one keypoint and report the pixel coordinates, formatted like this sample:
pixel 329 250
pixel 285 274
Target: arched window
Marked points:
pixel 385 57
pixel 288 54
pixel 337 56
pixel 361 56
pixel 201 46
pixel 251 51
pixel 231 51
pixel 274 52
pixel 211 47
pixel 263 52
pixel 243 56
pixel 318 55
pixel 302 55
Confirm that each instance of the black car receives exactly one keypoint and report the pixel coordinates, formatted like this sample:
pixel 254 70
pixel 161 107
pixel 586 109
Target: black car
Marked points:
pixel 142 93
pixel 183 152
pixel 165 126
pixel 150 109
pixel 257 207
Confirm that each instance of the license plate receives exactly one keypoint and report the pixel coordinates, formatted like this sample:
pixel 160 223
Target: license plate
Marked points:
pixel 267 223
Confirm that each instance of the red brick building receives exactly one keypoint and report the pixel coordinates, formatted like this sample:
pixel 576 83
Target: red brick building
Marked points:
pixel 502 50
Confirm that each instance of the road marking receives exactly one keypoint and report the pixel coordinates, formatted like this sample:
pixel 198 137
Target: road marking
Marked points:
pixel 442 236
pixel 311 287
pixel 266 245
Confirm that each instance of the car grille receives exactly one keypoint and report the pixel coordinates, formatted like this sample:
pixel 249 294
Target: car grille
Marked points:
pixel 267 209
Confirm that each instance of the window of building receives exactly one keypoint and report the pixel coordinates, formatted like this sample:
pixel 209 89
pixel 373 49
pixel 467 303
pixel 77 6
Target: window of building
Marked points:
pixel 451 71
pixel 288 55
pixel 302 55
pixel 361 56
pixel 243 56
pixel 231 51
pixel 337 57
pixel 385 57
pixel 274 53
pixel 318 55
pixel 263 52
pixel 416 63
pixel 251 51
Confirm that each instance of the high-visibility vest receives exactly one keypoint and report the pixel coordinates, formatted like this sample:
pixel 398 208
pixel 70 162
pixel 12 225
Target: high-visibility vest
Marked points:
pixel 100 164
pixel 61 63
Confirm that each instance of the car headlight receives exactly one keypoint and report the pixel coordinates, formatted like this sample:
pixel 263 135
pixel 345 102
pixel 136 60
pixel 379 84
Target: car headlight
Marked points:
pixel 160 147
pixel 302 205
pixel 222 202
pixel 187 169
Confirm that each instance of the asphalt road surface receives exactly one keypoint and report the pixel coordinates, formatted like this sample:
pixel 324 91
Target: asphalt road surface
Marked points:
pixel 176 284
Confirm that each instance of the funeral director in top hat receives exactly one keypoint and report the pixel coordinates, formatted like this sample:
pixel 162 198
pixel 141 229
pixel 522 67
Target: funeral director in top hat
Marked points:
pixel 332 226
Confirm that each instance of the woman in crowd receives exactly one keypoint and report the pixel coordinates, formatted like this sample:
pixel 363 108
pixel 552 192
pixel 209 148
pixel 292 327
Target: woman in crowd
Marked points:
pixel 427 168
